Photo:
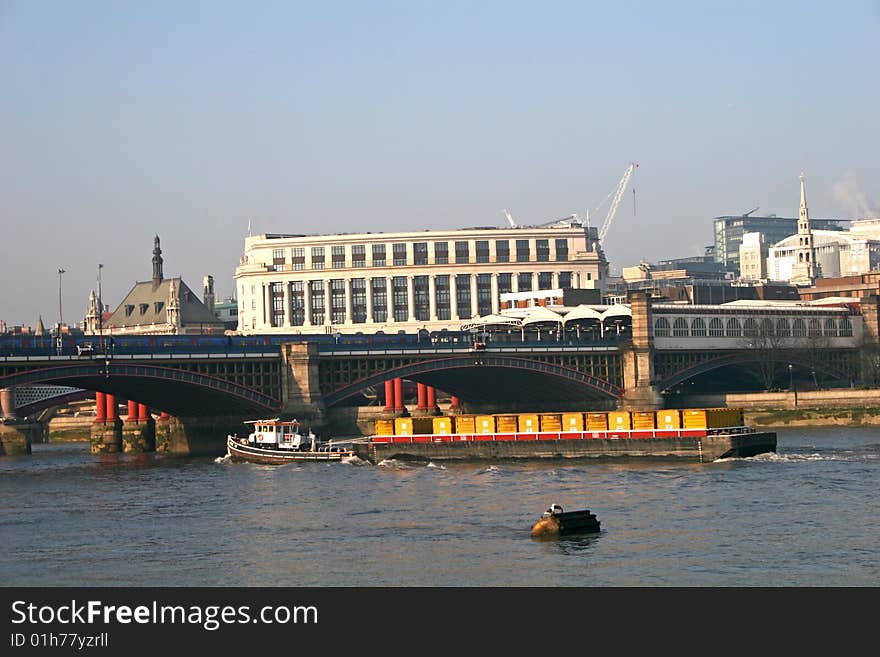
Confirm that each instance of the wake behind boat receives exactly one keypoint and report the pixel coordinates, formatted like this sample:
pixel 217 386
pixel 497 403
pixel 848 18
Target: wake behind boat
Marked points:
pixel 275 442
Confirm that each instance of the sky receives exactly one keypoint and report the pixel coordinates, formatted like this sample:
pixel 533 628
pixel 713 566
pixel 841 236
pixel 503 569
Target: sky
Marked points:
pixel 123 120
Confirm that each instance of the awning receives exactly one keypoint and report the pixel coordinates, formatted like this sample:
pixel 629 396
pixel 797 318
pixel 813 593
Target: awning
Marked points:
pixel 541 314
pixel 581 312
pixel 491 320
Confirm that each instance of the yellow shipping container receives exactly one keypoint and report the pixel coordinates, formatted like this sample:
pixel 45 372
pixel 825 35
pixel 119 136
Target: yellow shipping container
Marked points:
pixel 738 417
pixel 619 421
pixel 506 423
pixel 464 423
pixel 669 419
pixel 485 424
pixel 597 421
pixel 572 421
pixel 384 427
pixel 403 426
pixel 551 422
pixel 528 422
pixel 706 418
pixel 643 420
pixel 442 425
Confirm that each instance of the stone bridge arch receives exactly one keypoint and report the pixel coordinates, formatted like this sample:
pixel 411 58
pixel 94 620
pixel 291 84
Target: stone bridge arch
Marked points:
pixel 488 377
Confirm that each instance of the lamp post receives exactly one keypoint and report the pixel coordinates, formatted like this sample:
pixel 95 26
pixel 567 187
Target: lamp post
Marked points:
pixel 100 311
pixel 60 316
pixel 791 383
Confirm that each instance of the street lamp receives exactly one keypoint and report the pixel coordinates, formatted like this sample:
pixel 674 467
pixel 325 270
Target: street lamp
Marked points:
pixel 60 316
pixel 790 379
pixel 100 310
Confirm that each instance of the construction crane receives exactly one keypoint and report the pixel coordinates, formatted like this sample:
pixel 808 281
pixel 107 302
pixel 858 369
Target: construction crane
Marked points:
pixel 509 219
pixel 618 195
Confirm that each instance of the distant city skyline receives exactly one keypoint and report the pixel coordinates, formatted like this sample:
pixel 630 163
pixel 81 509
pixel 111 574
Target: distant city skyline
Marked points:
pixel 196 120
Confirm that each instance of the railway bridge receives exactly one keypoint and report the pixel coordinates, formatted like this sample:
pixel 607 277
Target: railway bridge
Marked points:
pixel 199 396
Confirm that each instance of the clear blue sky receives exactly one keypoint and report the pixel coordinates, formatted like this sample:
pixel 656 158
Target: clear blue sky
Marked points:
pixel 120 120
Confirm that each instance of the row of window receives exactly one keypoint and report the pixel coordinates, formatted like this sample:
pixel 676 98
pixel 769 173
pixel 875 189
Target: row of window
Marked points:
pixel 733 328
pixel 420 254
pixel 341 302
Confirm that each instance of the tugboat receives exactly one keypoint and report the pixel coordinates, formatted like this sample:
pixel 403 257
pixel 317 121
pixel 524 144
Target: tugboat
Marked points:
pixel 557 522
pixel 275 442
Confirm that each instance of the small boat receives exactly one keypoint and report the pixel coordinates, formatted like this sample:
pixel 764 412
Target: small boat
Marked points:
pixel 557 522
pixel 276 441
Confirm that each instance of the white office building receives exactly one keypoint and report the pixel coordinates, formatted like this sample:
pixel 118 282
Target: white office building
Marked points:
pixel 409 281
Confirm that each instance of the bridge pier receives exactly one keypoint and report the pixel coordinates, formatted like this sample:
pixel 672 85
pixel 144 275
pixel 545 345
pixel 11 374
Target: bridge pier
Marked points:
pixel 16 436
pixel 196 436
pixel 106 433
pixel 139 430
pixel 300 385
pixel 638 361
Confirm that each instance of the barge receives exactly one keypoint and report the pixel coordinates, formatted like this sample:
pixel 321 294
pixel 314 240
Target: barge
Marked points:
pixel 702 435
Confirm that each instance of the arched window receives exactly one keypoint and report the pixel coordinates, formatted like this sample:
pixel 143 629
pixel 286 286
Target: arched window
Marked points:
pixel 698 328
pixel 799 328
pixel 661 327
pixel 815 328
pixel 830 328
pixel 750 328
pixel 734 328
pixel 845 328
pixel 716 328
pixel 680 328
pixel 783 328
pixel 767 327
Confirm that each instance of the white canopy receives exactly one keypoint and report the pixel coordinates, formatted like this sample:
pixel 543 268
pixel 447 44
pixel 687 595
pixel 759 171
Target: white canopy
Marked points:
pixel 540 314
pixel 617 310
pixel 491 320
pixel 582 312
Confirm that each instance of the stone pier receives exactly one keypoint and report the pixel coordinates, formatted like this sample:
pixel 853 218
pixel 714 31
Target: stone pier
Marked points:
pixel 197 436
pixel 638 362
pixel 139 430
pixel 16 435
pixel 300 386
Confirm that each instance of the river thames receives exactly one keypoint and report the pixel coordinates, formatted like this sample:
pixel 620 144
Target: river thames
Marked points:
pixel 806 516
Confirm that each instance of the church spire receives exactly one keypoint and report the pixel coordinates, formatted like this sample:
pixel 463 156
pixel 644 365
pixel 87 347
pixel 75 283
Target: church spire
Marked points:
pixel 157 262
pixel 804 271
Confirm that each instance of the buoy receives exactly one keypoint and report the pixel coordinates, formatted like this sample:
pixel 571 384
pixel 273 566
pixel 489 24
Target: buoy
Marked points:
pixel 556 522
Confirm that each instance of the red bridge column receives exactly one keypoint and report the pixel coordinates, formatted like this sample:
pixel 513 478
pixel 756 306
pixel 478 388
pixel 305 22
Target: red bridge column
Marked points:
pixel 432 398
pixel 132 411
pixel 398 394
pixel 100 407
pixel 143 412
pixel 389 395
pixel 455 403
pixel 423 396
pixel 112 414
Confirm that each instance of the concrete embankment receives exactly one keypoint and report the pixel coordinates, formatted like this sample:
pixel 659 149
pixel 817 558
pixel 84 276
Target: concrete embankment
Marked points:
pixel 837 407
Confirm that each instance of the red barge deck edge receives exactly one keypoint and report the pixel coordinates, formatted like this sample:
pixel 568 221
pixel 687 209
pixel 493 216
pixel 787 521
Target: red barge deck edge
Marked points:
pixel 703 445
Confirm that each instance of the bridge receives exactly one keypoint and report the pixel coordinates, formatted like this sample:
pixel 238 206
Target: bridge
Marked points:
pixel 664 348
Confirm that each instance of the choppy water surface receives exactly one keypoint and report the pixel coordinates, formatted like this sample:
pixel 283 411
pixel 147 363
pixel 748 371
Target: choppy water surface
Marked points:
pixel 807 515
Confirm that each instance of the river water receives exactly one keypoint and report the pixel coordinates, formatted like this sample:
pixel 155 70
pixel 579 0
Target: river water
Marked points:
pixel 806 516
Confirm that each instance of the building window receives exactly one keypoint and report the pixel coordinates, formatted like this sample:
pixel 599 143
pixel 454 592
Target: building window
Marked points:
pixel 767 328
pixel 502 251
pixel 316 290
pixel 462 253
pixel 337 301
pixel 846 329
pixel 317 257
pixel 441 253
pixel 716 328
pixel 401 299
pixel 278 259
pixel 463 296
pixel 750 328
pixel 399 250
pixel 420 253
pixel 380 300
pixel 679 328
pixel 782 328
pixel 524 281
pixel 358 255
pixel 565 279
pixel 542 250
pixel 297 304
pixel 441 289
pixel 734 328
pixel 504 283
pixel 545 280
pixel 298 258
pixel 561 250
pixel 484 294
pixel 661 327
pixel 420 296
pixel 337 257
pixel 799 328
pixel 379 255
pixel 277 292
pixel 698 328
pixel 358 300
pixel 830 328
pixel 522 251
pixel 482 248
